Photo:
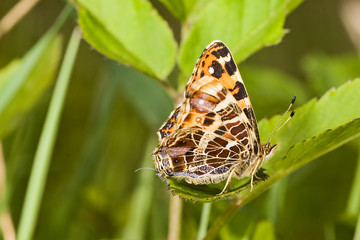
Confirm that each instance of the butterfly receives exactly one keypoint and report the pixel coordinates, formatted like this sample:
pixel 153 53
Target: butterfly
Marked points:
pixel 213 134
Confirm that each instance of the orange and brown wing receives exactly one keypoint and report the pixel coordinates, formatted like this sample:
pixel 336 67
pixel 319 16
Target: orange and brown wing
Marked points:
pixel 215 127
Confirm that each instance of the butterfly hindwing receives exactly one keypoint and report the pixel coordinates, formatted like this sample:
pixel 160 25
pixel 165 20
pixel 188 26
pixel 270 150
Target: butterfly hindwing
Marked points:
pixel 214 129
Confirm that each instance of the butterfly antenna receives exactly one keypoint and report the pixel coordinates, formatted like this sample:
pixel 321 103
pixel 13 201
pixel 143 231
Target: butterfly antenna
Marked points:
pixel 276 129
pixel 145 168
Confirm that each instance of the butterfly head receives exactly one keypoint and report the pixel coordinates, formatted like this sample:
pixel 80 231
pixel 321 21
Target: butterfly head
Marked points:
pixel 268 150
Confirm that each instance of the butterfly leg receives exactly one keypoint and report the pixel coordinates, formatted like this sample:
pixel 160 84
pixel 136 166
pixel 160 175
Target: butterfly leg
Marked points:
pixel 227 182
pixel 253 173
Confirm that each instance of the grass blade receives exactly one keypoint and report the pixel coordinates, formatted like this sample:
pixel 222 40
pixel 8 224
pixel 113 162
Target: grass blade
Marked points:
pixel 141 199
pixel 8 92
pixel 43 154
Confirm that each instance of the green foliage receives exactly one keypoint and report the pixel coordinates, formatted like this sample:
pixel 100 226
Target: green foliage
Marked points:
pixel 130 32
pixel 111 112
pixel 274 96
pixel 305 138
pixel 339 70
pixel 245 26
pixel 23 82
pixel 46 144
pixel 153 110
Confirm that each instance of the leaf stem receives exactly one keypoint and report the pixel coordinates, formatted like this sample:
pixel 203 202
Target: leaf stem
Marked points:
pixel 42 158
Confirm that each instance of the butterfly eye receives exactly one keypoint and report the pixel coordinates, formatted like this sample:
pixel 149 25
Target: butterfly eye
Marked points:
pixel 267 151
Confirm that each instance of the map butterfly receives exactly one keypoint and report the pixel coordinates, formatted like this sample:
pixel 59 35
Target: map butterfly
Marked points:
pixel 213 134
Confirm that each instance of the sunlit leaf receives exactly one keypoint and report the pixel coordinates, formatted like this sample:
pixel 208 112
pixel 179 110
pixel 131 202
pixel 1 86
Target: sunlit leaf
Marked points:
pixel 129 31
pixel 244 26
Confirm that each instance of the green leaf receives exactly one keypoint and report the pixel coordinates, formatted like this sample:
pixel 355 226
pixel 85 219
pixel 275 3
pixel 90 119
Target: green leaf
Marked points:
pixel 244 26
pixel 129 31
pixel 34 77
pixel 318 127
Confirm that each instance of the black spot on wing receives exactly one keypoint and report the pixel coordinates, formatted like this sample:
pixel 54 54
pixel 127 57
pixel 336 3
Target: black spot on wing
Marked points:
pixel 222 52
pixel 202 74
pixel 208 121
pixel 210 114
pixel 221 130
pixel 241 94
pixel 219 44
pixel 256 148
pixel 230 67
pixel 218 70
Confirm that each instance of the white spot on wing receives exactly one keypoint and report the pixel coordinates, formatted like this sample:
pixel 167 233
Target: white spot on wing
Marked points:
pixel 201 102
pixel 211 70
pixel 227 58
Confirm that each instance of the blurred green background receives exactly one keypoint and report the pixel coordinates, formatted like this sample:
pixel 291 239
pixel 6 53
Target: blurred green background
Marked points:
pixel 108 124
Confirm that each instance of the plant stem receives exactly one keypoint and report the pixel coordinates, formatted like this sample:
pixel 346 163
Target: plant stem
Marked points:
pixel 205 215
pixel 42 158
pixel 6 223
pixel 234 207
pixel 15 15
pixel 353 205
pixel 222 220
pixel 175 218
